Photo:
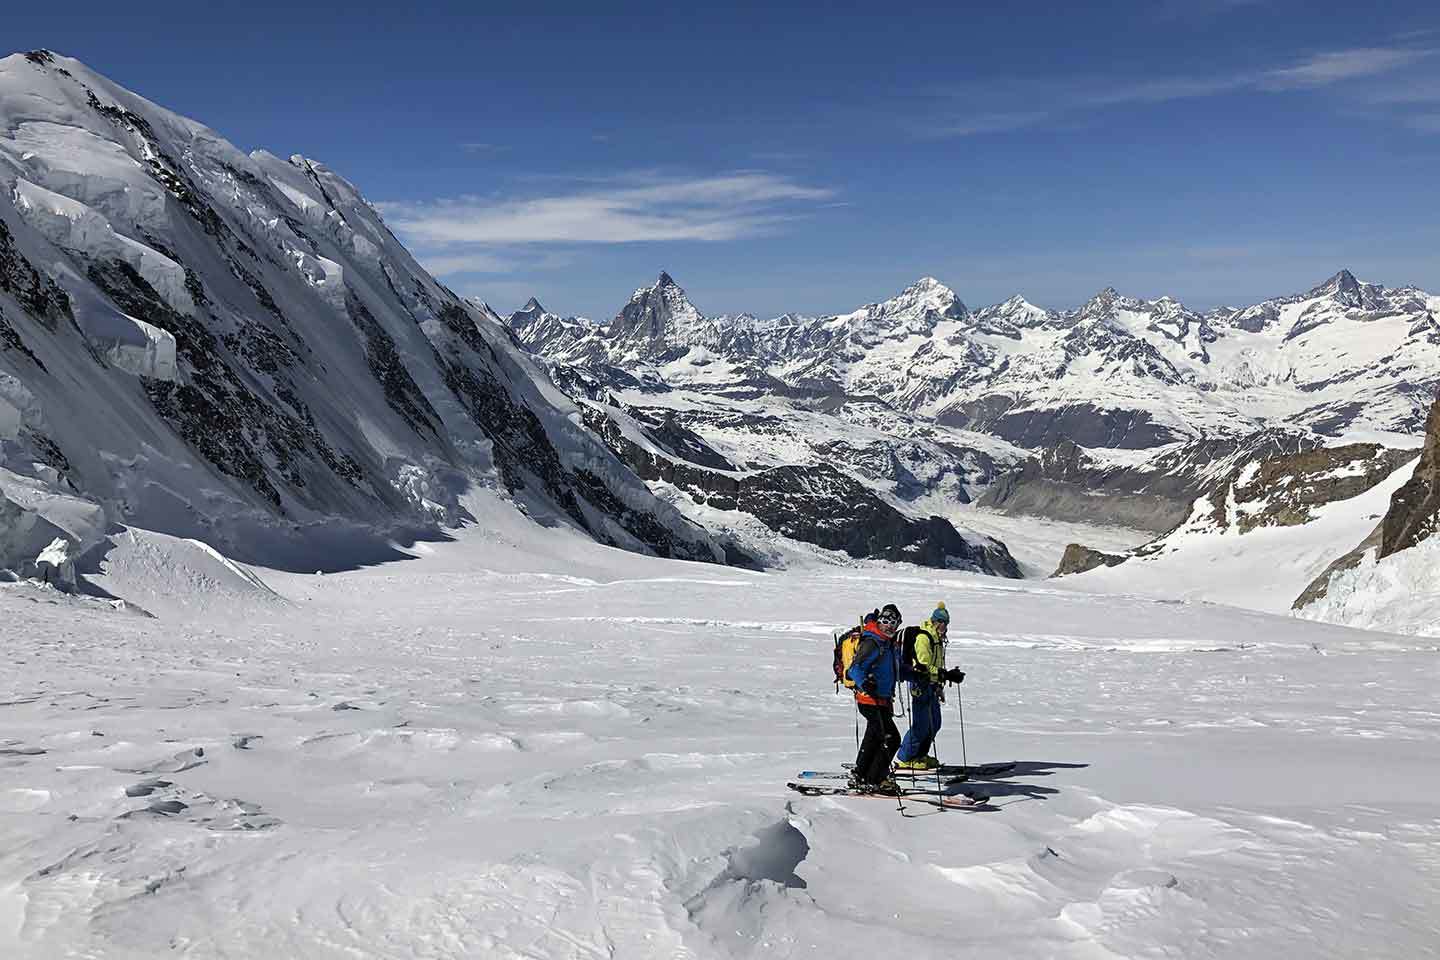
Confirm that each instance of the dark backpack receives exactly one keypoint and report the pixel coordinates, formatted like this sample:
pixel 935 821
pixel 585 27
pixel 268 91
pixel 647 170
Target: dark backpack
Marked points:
pixel 908 637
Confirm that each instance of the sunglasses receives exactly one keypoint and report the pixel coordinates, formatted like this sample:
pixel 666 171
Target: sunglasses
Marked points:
pixel 890 621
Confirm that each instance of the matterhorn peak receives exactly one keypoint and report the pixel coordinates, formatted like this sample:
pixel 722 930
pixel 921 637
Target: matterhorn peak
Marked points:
pixel 532 306
pixel 657 317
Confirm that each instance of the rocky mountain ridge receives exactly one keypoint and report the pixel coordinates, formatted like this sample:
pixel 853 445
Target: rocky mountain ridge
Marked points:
pixel 1116 372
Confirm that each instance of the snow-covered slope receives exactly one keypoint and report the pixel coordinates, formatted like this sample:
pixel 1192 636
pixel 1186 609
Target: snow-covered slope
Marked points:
pixel 234 348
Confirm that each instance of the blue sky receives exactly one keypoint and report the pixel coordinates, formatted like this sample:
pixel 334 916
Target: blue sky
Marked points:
pixel 813 158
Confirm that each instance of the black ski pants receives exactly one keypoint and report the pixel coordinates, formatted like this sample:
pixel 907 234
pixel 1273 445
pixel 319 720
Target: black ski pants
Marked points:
pixel 882 739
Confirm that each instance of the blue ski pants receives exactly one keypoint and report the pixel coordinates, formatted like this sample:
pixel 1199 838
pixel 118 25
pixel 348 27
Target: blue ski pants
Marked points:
pixel 924 724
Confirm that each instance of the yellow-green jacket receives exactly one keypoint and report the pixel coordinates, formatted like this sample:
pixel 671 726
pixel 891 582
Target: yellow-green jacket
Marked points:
pixel 929 653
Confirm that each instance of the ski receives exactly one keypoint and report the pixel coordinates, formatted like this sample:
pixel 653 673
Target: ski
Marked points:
pixel 957 769
pixel 925 775
pixel 959 801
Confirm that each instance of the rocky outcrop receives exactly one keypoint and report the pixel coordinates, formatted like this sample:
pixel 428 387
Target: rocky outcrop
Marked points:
pixel 1415 507
pixel 1067 482
pixel 1413 517
pixel 814 503
pixel 1285 491
pixel 821 505
pixel 1079 558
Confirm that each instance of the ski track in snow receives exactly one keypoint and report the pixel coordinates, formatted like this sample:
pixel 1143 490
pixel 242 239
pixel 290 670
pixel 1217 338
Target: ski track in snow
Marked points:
pixel 464 755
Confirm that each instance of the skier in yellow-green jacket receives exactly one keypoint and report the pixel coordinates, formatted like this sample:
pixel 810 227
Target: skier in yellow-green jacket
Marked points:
pixel 927 689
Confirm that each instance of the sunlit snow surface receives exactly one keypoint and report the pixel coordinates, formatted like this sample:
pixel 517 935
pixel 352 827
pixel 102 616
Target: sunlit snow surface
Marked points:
pixel 523 745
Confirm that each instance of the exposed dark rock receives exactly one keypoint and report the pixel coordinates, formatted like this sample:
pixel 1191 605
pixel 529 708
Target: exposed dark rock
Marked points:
pixel 805 503
pixel 521 447
pixel 402 393
pixel 37 294
pixel 46 451
pixel 1284 491
pixel 814 504
pixel 703 483
pixel 640 524
pixel 1066 483
pixel 214 410
pixel 10 340
pixel 1084 424
pixel 1415 507
pixel 1078 558
pixel 163 169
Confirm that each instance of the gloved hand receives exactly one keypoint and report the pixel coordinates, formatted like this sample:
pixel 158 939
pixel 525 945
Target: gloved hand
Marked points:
pixel 955 675
pixel 868 686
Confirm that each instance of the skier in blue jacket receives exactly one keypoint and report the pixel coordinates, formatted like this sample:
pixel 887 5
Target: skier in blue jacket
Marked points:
pixel 875 671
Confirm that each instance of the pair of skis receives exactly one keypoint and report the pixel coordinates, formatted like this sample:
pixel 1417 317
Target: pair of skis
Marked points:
pixel 806 784
pixel 959 801
pixel 951 772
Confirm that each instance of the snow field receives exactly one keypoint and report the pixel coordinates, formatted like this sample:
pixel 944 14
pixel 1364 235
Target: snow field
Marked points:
pixel 523 745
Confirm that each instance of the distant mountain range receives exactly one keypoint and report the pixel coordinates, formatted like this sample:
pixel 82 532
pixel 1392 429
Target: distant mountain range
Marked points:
pixel 1119 411
pixel 1342 359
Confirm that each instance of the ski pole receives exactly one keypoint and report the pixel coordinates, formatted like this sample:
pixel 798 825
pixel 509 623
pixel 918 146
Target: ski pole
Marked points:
pixel 935 748
pixel 960 704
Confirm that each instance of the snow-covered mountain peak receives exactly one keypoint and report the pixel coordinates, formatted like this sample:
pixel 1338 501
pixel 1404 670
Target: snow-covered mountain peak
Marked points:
pixel 925 297
pixel 657 320
pixel 1012 316
pixel 1107 301
pixel 1344 290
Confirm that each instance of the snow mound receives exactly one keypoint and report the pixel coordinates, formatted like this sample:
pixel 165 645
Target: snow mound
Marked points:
pixel 174 577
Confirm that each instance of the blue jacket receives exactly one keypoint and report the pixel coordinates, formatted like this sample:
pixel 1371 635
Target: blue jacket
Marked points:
pixel 877 657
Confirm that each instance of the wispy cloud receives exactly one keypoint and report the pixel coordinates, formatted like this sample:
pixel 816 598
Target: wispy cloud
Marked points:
pixel 1425 123
pixel 462 234
pixel 1039 105
pixel 1324 69
pixel 485 148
